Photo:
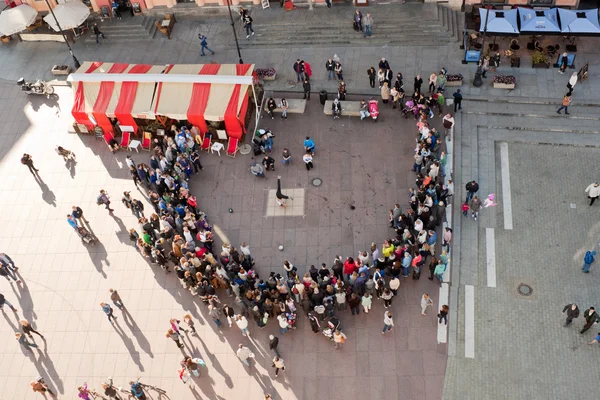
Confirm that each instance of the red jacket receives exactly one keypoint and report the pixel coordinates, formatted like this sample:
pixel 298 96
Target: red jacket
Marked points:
pixel 349 267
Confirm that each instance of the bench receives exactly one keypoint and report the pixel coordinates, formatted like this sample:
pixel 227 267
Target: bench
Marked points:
pixel 349 108
pixel 295 106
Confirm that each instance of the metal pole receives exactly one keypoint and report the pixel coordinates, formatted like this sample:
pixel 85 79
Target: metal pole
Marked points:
pixel 237 45
pixel 75 60
pixel 477 81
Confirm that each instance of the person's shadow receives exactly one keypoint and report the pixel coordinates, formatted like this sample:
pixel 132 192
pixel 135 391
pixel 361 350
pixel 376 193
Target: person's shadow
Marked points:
pixel 47 194
pixel 137 332
pixel 70 164
pixel 25 300
pixel 97 253
pixel 135 355
pixel 49 372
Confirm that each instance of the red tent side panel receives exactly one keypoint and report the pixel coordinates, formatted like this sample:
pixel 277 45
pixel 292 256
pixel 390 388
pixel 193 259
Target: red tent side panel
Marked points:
pixel 78 110
pixel 232 123
pixel 243 111
pixel 199 99
pixel 127 97
pixel 104 95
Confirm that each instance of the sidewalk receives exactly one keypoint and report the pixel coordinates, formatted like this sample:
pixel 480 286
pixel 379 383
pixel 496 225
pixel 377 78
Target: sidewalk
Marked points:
pixel 34 60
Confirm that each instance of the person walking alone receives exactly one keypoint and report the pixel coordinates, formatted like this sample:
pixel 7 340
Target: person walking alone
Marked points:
pixel 278 364
pixel 204 45
pixel 425 302
pixel 23 341
pixel 443 314
pixel 28 329
pixel 591 318
pixel 273 343
pixel 248 25
pixel 39 386
pixel 588 260
pixel 98 33
pixel 244 354
pixel 593 192
pixel 108 311
pixel 27 160
pixel 572 312
pixel 104 199
pixel 388 322
pixel 566 102
pixel 306 87
pixel 368 24
pixel 457 100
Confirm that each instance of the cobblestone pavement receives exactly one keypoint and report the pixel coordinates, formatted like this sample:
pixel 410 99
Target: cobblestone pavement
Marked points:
pixel 64 281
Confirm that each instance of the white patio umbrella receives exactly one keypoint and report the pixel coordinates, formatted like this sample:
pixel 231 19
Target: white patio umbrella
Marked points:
pixel 69 15
pixel 16 19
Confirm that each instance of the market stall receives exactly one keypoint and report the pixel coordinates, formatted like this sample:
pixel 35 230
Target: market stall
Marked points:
pixel 194 93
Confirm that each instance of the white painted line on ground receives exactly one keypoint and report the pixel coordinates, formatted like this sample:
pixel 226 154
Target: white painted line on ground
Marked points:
pixel 442 331
pixel 490 247
pixel 469 321
pixel 506 201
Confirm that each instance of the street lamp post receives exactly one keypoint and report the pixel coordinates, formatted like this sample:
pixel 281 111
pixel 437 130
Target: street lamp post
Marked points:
pixel 237 45
pixel 75 60
pixel 477 81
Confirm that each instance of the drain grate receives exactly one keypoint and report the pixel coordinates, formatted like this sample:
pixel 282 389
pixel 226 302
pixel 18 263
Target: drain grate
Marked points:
pixel 524 290
pixel 317 182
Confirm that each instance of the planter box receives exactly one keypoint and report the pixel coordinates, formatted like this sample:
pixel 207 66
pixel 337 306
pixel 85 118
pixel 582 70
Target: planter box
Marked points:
pixel 541 65
pixel 454 83
pixel 61 70
pixel 269 78
pixel 504 85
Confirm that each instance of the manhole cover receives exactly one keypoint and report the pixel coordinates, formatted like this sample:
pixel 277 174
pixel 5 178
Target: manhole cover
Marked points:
pixel 316 182
pixel 524 290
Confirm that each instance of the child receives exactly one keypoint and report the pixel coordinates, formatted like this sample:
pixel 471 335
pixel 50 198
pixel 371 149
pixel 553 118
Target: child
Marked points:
pixel 187 318
pixel 465 209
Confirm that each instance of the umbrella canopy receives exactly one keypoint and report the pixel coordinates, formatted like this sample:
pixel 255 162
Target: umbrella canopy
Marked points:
pixel 499 22
pixel 16 19
pixel 69 15
pixel 538 21
pixel 579 22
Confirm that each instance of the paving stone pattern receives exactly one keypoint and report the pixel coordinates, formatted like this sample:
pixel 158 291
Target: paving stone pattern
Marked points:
pixel 522 348
pixel 361 163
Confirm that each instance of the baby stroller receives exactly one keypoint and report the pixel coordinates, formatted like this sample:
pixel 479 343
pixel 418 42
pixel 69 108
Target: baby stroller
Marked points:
pixel 257 146
pixel 409 109
pixel 291 319
pixel 85 235
pixel 333 325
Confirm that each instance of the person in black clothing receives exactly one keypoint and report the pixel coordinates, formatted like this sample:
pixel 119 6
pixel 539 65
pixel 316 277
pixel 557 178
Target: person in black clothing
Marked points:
pixel 399 83
pixel 472 188
pixel 195 157
pixel 269 162
pixel 383 64
pixel 26 160
pixel 306 86
pixel 418 83
pixel 591 318
pixel 299 70
pixel 572 312
pixel 271 106
pixel 324 271
pixel 98 33
pixel 372 76
pixel 457 100
pixel 273 343
pixel 247 20
pixel 329 67
pixel 78 214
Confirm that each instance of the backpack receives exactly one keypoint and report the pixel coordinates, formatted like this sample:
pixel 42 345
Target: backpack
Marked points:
pixel 589 258
pixel 99 200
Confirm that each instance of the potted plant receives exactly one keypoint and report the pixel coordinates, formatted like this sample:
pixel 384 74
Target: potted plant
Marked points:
pixel 504 81
pixel 454 80
pixel 267 74
pixel 61 70
pixel 539 59
pixel 515 61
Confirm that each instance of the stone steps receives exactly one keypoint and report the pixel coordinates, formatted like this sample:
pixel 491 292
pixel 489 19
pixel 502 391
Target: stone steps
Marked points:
pixel 131 30
pixel 409 24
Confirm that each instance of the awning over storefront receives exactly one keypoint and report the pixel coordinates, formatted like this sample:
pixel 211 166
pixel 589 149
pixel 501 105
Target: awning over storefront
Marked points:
pixel 499 22
pixel 535 22
pixel 579 22
pixel 193 92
